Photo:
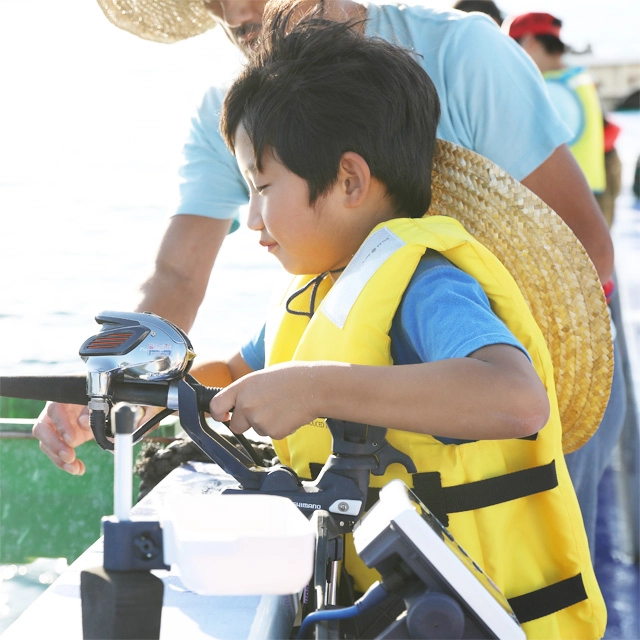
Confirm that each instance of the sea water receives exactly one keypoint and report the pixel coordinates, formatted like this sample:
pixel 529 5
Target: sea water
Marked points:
pixel 91 125
pixel 92 121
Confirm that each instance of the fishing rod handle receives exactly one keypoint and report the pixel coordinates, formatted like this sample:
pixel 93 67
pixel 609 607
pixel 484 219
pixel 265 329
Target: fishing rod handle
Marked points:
pixel 72 389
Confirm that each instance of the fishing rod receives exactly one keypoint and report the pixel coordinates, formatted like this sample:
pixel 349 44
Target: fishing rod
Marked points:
pixel 142 359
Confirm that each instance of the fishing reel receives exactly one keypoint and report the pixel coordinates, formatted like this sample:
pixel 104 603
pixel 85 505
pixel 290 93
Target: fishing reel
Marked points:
pixel 141 346
pixel 143 359
pixel 135 347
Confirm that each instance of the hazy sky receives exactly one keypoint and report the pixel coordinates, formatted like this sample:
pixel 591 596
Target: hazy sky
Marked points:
pixel 612 27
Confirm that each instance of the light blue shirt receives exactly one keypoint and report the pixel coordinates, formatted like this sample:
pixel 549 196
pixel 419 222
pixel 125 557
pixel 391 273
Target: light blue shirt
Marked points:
pixel 493 99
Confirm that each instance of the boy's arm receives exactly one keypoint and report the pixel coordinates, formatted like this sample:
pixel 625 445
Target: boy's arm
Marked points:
pixel 493 393
pixel 219 373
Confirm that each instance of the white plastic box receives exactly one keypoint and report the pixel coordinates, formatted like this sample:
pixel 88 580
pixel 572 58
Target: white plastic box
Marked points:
pixel 238 544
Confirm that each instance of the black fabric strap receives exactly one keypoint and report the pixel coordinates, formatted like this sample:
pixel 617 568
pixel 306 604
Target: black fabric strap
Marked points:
pixel 475 495
pixel 483 493
pixel 442 501
pixel 549 599
pixel 315 468
pixel 372 497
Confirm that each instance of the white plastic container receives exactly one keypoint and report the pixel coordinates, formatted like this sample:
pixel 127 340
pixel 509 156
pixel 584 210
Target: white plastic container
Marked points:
pixel 238 544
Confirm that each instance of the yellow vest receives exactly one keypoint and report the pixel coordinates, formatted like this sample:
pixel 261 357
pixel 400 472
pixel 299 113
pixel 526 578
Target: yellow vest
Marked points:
pixel 532 543
pixel 576 99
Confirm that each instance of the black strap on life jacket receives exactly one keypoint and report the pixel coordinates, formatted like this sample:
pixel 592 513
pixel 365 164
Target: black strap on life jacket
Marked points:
pixel 549 599
pixel 442 501
pixel 315 468
pixel 484 493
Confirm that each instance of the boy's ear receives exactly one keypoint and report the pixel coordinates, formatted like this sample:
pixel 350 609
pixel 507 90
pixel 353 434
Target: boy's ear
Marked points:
pixel 354 178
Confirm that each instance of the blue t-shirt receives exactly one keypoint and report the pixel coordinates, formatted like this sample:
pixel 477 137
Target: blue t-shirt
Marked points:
pixel 493 99
pixel 444 314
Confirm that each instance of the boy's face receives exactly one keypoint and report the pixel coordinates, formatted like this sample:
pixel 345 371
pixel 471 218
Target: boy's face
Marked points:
pixel 306 239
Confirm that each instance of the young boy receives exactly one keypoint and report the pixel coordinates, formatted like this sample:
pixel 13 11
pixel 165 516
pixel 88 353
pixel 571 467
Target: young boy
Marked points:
pixel 335 136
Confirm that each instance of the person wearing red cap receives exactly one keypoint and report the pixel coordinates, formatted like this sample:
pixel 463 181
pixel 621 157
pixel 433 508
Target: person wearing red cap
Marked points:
pixel 575 96
pixel 572 91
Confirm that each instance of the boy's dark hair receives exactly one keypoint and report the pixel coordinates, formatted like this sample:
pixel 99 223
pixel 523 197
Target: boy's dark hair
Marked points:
pixel 316 89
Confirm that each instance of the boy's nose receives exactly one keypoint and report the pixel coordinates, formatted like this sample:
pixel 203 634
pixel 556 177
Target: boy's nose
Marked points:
pixel 254 218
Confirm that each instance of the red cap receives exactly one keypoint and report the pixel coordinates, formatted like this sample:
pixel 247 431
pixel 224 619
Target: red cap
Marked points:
pixel 611 133
pixel 536 24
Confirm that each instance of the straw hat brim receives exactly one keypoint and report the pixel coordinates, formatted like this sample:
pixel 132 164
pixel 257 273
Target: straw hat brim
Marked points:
pixel 551 267
pixel 165 21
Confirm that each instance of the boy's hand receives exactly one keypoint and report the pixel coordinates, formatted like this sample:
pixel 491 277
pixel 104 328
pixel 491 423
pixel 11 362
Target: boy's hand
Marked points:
pixel 273 402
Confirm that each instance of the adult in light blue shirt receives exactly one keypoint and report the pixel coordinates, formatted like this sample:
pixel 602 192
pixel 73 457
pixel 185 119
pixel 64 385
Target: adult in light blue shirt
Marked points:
pixel 494 101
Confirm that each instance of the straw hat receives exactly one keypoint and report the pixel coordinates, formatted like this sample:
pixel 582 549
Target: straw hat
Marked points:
pixel 551 267
pixel 159 20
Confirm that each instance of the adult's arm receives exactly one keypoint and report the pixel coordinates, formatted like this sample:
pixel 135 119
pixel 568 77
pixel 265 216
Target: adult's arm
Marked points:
pixel 178 282
pixel 210 185
pixel 561 184
pixel 174 291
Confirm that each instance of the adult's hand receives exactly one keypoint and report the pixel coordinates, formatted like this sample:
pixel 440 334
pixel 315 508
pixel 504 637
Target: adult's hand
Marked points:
pixel 61 428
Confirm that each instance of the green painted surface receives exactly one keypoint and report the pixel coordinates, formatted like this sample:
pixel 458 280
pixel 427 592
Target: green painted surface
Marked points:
pixel 44 511
pixel 14 408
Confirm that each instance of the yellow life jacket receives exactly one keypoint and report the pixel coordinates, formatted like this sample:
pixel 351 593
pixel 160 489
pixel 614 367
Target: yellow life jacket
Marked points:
pixel 509 503
pixel 576 99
